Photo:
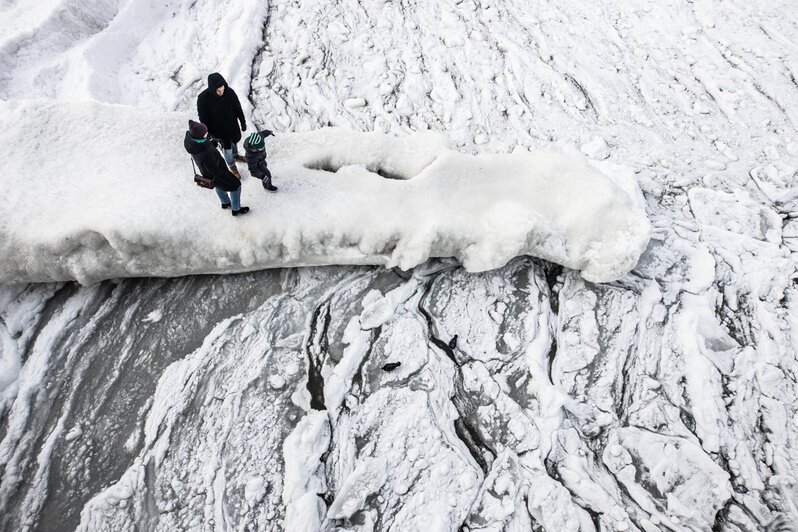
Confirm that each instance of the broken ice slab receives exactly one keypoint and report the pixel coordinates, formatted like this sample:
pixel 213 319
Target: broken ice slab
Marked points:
pixel 127 206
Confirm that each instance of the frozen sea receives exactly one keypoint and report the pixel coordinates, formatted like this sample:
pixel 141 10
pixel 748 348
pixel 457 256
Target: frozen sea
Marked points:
pixel 526 396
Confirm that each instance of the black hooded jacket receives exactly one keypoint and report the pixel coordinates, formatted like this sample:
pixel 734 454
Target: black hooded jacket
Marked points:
pixel 211 164
pixel 220 113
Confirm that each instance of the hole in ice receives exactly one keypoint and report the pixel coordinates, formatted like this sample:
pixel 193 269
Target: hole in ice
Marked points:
pixel 388 175
pixel 327 165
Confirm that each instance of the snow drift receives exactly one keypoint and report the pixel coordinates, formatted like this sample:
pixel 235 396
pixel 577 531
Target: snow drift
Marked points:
pixel 101 191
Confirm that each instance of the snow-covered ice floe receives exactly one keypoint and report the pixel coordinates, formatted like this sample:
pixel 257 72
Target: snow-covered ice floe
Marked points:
pixel 97 191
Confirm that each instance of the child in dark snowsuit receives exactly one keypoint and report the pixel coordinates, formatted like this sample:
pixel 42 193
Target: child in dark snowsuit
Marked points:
pixel 255 148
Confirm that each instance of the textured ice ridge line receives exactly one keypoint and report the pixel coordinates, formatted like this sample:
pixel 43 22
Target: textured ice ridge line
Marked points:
pixel 114 198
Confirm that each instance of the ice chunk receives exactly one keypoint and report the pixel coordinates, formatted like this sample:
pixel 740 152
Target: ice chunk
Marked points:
pixel 354 103
pixel 302 452
pixel 345 198
pixel 254 491
pixel 154 316
pixel 366 479
pixel 596 148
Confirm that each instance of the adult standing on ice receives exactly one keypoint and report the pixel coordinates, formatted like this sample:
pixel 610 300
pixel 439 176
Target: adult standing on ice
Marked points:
pixel 219 109
pixel 212 165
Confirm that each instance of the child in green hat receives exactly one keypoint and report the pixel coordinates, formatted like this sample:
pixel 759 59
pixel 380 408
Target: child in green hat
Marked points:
pixel 255 148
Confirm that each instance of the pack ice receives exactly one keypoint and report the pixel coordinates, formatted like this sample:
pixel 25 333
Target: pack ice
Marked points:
pixel 100 191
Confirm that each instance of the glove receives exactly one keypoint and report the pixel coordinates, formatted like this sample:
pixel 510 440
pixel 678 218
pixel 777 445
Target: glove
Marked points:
pixel 268 133
pixel 215 142
pixel 243 126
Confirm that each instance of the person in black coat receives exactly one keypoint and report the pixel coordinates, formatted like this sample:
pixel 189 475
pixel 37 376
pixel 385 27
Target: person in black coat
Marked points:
pixel 219 109
pixel 255 148
pixel 211 165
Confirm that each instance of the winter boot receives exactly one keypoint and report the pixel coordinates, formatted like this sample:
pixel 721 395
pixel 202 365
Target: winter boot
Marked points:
pixel 239 158
pixel 225 205
pixel 267 184
pixel 234 171
pixel 242 210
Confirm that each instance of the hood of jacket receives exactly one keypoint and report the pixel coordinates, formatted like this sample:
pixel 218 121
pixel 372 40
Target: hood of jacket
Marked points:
pixel 216 80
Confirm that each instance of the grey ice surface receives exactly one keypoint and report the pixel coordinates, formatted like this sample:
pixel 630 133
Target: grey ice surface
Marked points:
pixel 561 400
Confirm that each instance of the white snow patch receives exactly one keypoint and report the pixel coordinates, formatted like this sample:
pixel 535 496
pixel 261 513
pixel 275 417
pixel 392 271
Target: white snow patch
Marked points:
pixel 304 471
pixel 10 364
pixel 254 490
pixel 367 478
pixel 154 316
pixel 74 434
pixel 596 148
pixel 338 380
pixel 354 103
pixel 277 382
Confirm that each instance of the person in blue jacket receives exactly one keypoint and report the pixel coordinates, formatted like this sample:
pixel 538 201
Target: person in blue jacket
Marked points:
pixel 255 148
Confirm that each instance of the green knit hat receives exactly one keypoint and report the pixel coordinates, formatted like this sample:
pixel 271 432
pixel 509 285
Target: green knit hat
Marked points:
pixel 256 141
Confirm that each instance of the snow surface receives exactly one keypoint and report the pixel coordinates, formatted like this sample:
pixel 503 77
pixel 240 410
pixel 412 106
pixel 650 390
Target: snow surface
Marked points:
pixel 664 400
pixel 345 198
